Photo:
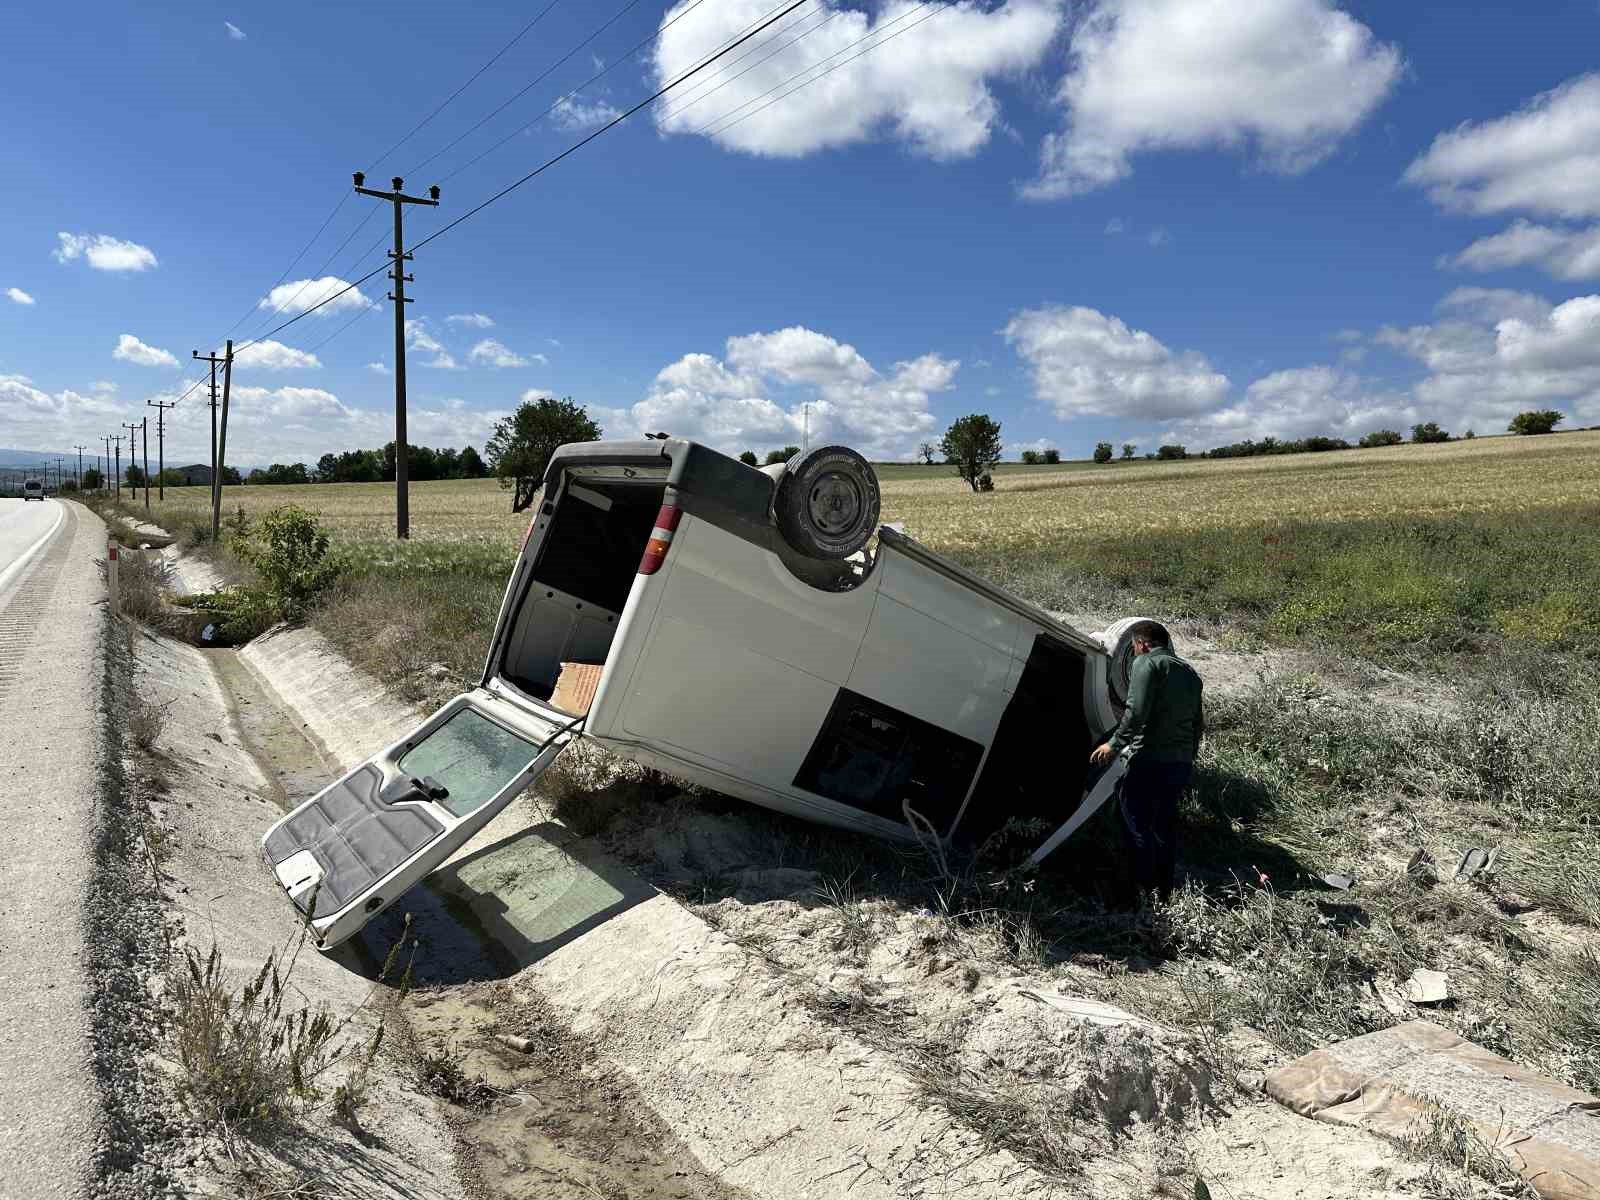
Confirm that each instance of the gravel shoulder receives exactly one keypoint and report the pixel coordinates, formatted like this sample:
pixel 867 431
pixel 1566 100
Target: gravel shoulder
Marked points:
pixel 52 622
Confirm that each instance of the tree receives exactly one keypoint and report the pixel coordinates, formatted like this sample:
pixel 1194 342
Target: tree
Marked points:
pixel 1032 458
pixel 781 456
pixel 1128 450
pixel 1536 421
pixel 231 477
pixel 1429 431
pixel 1102 452
pixel 93 479
pixel 1051 456
pixel 1381 437
pixel 471 464
pixel 927 450
pixel 133 476
pixel 522 444
pixel 1172 450
pixel 972 446
pixel 749 459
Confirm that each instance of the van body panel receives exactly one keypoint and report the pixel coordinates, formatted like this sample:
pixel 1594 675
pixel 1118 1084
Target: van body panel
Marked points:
pixel 932 671
pixel 945 600
pixel 700 691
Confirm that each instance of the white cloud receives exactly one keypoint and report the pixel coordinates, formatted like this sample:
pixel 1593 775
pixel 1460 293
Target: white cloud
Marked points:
pixel 31 417
pixel 104 252
pixel 379 368
pixel 131 349
pixel 1498 352
pixel 1289 78
pixel 1564 253
pixel 270 355
pixel 770 388
pixel 1543 158
pixel 578 115
pixel 1085 363
pixel 1113 227
pixel 928 88
pixel 102 387
pixel 420 337
pixel 234 32
pixel 533 394
pixel 492 353
pixel 299 295
pixel 19 296
pixel 1158 237
pixel 473 320
pixel 1298 403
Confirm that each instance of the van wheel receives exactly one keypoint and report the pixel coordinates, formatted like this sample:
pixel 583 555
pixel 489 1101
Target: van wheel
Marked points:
pixel 827 503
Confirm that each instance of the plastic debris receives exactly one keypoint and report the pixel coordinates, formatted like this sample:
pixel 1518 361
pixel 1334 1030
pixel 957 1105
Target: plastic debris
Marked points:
pixel 1428 987
pixel 1340 883
pixel 1476 861
pixel 208 634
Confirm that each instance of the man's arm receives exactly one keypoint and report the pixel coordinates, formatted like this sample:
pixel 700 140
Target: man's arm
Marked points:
pixel 1135 716
pixel 1199 721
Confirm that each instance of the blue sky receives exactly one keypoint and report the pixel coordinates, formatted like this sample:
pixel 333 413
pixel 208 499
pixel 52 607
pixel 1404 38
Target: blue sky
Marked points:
pixel 1136 220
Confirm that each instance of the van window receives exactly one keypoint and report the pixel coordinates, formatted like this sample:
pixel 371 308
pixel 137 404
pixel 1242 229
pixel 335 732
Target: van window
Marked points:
pixel 873 757
pixel 471 756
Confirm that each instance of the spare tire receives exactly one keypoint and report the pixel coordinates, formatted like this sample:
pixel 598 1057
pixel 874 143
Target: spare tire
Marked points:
pixel 1118 643
pixel 827 502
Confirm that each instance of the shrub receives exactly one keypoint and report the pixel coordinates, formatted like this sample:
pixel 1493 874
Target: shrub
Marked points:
pixel 1381 437
pixel 147 721
pixel 1032 458
pixel 1536 421
pixel 289 549
pixel 1051 456
pixel 1171 451
pixel 1102 452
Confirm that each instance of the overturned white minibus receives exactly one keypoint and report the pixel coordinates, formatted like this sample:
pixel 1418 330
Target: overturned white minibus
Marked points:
pixel 735 628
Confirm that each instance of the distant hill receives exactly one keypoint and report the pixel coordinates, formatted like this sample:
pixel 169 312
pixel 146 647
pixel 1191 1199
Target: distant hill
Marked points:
pixel 33 458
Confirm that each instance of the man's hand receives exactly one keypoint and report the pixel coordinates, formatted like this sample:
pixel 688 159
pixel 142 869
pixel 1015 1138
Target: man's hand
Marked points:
pixel 1102 754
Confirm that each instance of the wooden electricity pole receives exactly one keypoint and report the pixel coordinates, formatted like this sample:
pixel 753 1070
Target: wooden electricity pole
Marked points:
pixel 79 479
pixel 132 429
pixel 213 360
pixel 402 499
pixel 117 472
pixel 161 444
pixel 222 444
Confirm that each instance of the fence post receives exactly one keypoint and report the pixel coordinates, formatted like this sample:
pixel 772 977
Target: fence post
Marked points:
pixel 111 577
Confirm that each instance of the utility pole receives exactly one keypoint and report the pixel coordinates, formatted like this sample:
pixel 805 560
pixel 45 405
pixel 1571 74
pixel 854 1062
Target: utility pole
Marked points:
pixel 132 429
pixel 161 444
pixel 402 498
pixel 79 479
pixel 117 474
pixel 222 444
pixel 213 360
pixel 144 429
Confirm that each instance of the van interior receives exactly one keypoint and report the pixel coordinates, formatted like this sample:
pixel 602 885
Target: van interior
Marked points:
pixel 581 575
pixel 1038 763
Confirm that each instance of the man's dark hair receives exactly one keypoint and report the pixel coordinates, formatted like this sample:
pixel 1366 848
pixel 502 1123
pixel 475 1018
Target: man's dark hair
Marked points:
pixel 1153 632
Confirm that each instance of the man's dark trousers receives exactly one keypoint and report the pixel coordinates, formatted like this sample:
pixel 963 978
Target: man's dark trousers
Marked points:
pixel 1150 795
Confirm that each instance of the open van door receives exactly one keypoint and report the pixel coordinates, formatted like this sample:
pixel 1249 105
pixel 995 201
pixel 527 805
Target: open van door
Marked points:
pixel 358 845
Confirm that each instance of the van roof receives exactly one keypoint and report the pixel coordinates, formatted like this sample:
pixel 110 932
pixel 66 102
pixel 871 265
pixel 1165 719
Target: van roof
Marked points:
pixel 695 471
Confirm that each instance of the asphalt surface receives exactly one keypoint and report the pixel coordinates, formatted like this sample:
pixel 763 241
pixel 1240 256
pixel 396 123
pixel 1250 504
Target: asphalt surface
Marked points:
pixel 51 602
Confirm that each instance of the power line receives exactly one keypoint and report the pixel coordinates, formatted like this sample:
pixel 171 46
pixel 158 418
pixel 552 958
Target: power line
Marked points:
pixel 614 122
pixel 688 103
pixel 415 129
pixel 326 221
pixel 566 96
pixel 551 162
pixel 479 124
pixel 722 128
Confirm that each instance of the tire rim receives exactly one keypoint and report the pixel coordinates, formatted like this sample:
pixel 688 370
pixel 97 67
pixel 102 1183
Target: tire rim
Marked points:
pixel 835 504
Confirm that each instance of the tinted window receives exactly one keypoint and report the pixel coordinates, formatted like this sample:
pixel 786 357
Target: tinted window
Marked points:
pixel 470 755
pixel 873 757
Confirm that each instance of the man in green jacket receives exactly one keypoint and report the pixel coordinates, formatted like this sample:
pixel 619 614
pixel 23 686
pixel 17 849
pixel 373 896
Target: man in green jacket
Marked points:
pixel 1159 735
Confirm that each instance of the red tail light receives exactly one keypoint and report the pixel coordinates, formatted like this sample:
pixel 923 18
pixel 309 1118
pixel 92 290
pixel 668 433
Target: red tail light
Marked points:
pixel 529 534
pixel 655 550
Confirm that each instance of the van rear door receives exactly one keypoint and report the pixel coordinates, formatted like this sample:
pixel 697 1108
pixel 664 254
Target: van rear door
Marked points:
pixel 358 845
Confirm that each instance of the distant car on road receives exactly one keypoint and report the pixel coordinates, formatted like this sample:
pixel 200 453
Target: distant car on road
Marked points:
pixel 32 489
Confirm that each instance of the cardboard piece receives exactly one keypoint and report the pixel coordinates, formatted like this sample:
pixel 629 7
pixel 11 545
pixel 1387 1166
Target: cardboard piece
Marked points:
pixel 1391 1082
pixel 575 687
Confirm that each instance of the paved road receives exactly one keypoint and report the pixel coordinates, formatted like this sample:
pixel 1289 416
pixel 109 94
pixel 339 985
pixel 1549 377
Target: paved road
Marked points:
pixel 51 604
